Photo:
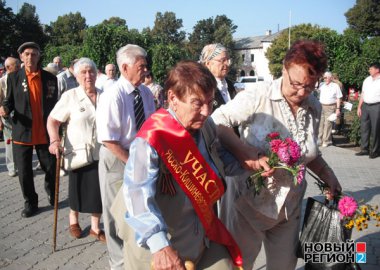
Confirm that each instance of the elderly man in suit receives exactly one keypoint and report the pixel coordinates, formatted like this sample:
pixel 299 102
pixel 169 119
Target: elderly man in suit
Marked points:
pixel 31 95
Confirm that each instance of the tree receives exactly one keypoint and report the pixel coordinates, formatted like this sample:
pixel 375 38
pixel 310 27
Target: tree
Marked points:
pixel 364 17
pixel 66 52
pixel 28 27
pixel 167 28
pixel 218 30
pixel 67 30
pixel 276 53
pixel 102 41
pixel 7 29
pixel 115 21
pixel 164 57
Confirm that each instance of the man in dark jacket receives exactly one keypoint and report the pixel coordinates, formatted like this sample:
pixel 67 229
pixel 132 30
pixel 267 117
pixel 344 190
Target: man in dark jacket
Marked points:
pixel 32 94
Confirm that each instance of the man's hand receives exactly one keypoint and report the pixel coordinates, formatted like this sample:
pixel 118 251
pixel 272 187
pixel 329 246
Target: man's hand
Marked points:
pixel 167 259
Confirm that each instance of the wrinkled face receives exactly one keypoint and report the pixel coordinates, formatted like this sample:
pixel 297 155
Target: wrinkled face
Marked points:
pixel 111 71
pixel 136 73
pixel 57 61
pixel 30 57
pixel 327 79
pixel 10 66
pixel 220 65
pixel 297 84
pixel 86 77
pixel 192 110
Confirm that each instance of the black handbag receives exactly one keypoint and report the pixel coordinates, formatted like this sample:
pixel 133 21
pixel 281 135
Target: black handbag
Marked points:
pixel 322 224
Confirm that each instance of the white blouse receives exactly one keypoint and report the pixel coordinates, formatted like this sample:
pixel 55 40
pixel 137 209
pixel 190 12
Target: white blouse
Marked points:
pixel 76 109
pixel 259 111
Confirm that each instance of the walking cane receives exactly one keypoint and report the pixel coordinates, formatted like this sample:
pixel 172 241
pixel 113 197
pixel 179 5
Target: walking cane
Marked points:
pixel 56 193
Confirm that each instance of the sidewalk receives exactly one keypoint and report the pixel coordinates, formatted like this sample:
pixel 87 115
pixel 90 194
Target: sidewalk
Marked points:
pixel 26 243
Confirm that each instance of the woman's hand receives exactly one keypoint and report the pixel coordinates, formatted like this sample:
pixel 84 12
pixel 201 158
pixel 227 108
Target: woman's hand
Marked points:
pixel 252 159
pixel 167 259
pixel 55 148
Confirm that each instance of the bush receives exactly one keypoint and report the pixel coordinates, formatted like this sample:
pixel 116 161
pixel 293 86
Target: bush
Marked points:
pixel 353 122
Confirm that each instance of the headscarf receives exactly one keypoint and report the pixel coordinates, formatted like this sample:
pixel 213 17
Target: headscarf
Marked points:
pixel 210 51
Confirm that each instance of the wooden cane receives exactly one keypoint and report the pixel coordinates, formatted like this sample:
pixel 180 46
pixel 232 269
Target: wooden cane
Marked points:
pixel 56 193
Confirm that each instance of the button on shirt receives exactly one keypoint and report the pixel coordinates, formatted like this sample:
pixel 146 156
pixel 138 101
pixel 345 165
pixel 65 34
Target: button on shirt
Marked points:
pixel 223 88
pixel 371 90
pixel 115 117
pixel 330 93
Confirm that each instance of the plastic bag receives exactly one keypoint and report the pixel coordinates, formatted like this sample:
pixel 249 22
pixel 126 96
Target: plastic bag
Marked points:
pixel 322 224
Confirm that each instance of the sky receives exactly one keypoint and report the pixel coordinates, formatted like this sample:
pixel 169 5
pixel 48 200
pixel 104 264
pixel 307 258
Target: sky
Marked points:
pixel 252 17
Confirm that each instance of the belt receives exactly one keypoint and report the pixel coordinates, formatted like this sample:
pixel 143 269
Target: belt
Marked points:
pixel 328 104
pixel 371 104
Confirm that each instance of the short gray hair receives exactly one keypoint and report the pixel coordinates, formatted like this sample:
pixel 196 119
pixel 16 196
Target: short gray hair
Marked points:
pixel 327 74
pixel 84 61
pixel 128 54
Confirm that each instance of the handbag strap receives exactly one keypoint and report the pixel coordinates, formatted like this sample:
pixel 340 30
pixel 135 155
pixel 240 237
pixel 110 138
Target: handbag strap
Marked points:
pixel 320 184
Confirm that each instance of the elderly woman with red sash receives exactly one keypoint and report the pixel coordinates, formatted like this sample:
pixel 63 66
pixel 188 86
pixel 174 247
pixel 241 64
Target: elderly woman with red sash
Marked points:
pixel 173 178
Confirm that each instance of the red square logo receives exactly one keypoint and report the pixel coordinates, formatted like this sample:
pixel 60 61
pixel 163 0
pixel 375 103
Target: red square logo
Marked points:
pixel 361 247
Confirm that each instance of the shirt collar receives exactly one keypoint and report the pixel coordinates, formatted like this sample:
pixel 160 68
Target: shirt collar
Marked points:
pixel 127 85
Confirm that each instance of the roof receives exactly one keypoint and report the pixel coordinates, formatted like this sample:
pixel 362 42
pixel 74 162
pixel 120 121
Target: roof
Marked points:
pixel 254 42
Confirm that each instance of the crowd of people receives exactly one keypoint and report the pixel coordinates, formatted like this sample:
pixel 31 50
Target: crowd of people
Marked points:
pixel 165 168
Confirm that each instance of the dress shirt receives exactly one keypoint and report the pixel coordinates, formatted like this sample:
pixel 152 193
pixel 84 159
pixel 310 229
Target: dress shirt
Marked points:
pixel 371 90
pixel 223 88
pixel 140 181
pixel 115 117
pixel 329 93
pixel 259 111
pixel 76 108
pixel 66 81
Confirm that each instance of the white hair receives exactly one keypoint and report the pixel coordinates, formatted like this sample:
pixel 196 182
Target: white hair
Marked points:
pixel 327 74
pixel 84 61
pixel 128 55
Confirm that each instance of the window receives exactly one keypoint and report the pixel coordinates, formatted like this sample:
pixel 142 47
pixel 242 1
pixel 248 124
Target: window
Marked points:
pixel 252 57
pixel 242 57
pixel 242 73
pixel 252 73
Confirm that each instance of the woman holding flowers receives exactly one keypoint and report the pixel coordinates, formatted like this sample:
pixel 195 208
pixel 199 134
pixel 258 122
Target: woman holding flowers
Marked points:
pixel 279 129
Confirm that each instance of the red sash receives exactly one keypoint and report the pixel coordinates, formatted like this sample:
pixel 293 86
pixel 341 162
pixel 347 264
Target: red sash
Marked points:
pixel 201 184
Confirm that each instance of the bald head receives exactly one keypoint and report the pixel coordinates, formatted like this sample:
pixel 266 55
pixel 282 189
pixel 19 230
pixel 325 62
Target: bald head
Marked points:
pixel 12 64
pixel 111 71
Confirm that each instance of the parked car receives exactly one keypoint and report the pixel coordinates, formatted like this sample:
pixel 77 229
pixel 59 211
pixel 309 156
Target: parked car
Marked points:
pixel 244 82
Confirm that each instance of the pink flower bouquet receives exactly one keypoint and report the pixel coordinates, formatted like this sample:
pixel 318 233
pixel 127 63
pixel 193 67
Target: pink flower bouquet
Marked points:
pixel 283 154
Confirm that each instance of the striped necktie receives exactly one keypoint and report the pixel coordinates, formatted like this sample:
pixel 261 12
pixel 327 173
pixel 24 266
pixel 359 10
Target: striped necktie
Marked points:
pixel 138 107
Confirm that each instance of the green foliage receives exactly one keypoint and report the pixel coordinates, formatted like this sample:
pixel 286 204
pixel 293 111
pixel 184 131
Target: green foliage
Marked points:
pixel 102 41
pixel 115 21
pixel 164 57
pixel 7 30
pixel 166 28
pixel 276 53
pixel 67 29
pixel 364 18
pixel 66 52
pixel 353 122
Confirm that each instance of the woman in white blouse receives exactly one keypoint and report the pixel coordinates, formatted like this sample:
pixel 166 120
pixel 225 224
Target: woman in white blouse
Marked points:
pixel 76 109
pixel 286 106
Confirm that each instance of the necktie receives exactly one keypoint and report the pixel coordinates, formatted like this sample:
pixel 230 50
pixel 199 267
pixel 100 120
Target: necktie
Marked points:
pixel 139 109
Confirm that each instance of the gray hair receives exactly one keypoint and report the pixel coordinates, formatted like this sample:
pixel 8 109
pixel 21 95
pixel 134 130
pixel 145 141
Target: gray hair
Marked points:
pixel 210 51
pixel 84 61
pixel 128 55
pixel 327 74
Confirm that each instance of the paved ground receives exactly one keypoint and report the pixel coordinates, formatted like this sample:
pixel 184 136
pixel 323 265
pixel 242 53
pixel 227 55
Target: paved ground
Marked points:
pixel 27 243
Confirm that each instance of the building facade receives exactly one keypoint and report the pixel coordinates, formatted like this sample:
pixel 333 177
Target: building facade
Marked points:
pixel 252 52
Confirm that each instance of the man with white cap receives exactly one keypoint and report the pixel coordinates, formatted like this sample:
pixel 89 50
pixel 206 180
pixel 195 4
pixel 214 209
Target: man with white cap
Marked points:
pixel 31 95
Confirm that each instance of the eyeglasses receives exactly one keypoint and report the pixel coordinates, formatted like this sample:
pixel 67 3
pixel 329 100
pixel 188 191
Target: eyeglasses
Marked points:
pixel 223 61
pixel 298 86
